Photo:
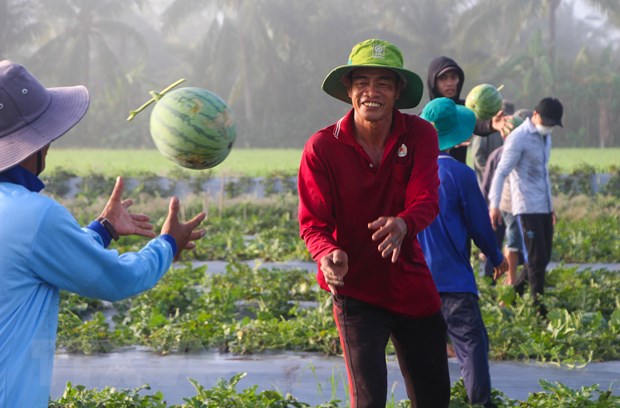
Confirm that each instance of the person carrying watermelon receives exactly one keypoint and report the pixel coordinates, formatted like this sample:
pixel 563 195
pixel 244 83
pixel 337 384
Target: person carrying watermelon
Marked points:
pixel 445 78
pixel 44 249
pixel 463 212
pixel 367 186
pixel 526 159
pixel 482 146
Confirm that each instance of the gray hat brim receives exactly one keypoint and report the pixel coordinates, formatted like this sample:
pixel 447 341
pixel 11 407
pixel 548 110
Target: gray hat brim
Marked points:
pixel 66 108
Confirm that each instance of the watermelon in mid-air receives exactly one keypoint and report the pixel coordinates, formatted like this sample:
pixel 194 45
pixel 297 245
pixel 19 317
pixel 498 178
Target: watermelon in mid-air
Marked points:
pixel 193 127
pixel 485 100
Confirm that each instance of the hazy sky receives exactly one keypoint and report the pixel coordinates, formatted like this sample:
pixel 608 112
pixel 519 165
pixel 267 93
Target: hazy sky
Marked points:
pixel 584 10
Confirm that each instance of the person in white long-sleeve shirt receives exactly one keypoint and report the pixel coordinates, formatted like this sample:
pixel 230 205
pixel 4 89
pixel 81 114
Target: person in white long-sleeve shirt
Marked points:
pixel 527 152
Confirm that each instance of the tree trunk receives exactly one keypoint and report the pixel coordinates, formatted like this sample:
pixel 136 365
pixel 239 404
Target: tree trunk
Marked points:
pixel 553 6
pixel 604 128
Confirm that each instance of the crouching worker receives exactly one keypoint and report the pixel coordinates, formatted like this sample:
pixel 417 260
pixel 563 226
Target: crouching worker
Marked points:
pixel 42 247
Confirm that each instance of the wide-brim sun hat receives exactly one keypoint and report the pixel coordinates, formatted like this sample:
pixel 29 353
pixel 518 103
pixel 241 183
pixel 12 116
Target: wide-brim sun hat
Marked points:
pixel 454 123
pixel 32 116
pixel 375 53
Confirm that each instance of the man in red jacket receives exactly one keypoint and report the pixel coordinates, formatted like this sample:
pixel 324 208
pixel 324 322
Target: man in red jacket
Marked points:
pixel 368 185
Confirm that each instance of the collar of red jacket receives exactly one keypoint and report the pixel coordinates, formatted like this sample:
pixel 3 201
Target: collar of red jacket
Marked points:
pixel 345 130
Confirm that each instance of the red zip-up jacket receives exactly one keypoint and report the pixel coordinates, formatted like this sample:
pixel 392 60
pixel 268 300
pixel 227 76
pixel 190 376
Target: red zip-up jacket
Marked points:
pixel 341 191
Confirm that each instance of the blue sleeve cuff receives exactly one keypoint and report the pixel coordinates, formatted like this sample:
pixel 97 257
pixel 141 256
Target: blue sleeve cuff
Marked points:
pixel 102 231
pixel 171 241
pixel 499 257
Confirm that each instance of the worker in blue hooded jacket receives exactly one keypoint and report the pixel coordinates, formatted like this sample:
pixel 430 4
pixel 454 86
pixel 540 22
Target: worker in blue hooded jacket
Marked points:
pixel 446 79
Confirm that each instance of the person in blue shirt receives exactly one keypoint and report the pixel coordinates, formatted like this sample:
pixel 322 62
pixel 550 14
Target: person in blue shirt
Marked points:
pixel 42 247
pixel 463 213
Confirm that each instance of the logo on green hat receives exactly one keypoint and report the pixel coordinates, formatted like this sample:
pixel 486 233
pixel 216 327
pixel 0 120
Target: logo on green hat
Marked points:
pixel 378 51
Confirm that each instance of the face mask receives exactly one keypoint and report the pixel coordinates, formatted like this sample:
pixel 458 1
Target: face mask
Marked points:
pixel 544 130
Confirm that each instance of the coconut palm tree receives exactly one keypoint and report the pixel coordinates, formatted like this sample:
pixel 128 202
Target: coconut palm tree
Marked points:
pixel 528 74
pixel 18 28
pixel 516 15
pixel 89 42
pixel 422 29
pixel 226 34
pixel 596 79
pixel 248 52
pixel 97 44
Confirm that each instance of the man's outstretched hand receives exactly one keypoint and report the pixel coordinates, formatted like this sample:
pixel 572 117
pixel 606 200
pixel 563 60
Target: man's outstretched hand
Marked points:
pixel 184 233
pixel 117 212
pixel 335 266
pixel 391 231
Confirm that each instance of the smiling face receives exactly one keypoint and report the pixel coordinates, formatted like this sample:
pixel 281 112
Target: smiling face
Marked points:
pixel 373 92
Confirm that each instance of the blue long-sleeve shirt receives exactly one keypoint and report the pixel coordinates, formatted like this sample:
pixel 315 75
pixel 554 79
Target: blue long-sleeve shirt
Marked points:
pixel 43 250
pixel 463 213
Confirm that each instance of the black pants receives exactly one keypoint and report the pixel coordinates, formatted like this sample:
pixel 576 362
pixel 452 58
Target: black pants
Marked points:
pixel 420 345
pixel 471 343
pixel 537 230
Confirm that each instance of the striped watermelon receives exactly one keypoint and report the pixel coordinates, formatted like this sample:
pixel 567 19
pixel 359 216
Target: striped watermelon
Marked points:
pixel 193 127
pixel 485 100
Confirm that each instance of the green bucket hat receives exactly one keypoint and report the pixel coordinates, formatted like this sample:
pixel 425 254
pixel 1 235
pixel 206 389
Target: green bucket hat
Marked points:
pixel 376 53
pixel 454 123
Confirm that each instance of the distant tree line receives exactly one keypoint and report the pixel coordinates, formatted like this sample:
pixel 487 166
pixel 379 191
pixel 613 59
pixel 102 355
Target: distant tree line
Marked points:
pixel 268 58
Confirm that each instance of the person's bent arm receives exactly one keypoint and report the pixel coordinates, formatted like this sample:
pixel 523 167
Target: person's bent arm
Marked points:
pixel 66 256
pixel 477 220
pixel 511 155
pixel 316 222
pixel 422 196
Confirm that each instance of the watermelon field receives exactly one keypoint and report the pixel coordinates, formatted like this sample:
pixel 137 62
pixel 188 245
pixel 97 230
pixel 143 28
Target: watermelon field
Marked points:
pixel 262 162
pixel 241 322
pixel 250 162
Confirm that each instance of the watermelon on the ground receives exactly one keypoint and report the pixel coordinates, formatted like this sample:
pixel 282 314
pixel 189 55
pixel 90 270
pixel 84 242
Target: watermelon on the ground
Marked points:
pixel 485 100
pixel 193 127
